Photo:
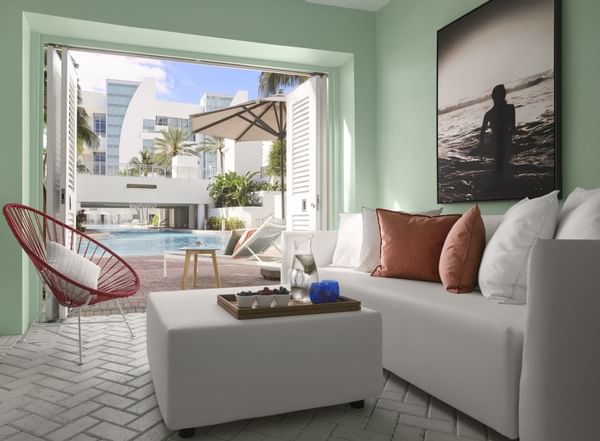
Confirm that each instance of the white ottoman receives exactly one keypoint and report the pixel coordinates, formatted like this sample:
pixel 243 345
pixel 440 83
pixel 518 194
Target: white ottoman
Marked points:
pixel 209 368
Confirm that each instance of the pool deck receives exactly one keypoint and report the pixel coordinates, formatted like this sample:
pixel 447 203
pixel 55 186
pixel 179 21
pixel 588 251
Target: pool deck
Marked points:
pixel 150 270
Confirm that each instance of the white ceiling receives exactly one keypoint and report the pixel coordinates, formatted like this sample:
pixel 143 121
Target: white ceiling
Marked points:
pixel 367 5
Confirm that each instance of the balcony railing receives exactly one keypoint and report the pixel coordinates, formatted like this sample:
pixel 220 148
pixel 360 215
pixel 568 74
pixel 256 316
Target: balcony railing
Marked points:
pixel 151 171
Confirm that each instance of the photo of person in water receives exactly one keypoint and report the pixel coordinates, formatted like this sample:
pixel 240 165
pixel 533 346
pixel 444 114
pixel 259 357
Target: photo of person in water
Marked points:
pixel 501 120
pixel 496 112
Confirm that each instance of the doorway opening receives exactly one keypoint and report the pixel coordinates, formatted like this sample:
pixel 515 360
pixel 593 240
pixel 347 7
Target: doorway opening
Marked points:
pixel 143 182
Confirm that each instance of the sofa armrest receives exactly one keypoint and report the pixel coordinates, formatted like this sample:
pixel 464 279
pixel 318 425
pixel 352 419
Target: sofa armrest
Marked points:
pixel 323 246
pixel 560 378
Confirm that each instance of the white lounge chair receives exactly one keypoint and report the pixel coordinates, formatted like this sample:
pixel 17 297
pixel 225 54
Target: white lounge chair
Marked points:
pixel 266 236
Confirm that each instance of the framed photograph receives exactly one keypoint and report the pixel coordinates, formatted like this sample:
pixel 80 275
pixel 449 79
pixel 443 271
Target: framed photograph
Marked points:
pixel 498 102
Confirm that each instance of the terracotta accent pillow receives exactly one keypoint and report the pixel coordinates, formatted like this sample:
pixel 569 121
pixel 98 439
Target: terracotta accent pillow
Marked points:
pixel 411 244
pixel 245 236
pixel 235 237
pixel 462 252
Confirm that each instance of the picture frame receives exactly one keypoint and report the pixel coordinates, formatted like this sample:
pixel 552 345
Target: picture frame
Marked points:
pixel 498 102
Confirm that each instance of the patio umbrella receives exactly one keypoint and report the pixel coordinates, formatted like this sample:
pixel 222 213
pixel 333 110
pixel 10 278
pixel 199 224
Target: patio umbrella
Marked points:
pixel 260 120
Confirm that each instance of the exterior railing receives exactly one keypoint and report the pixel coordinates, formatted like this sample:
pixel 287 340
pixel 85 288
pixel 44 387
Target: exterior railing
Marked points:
pixel 156 171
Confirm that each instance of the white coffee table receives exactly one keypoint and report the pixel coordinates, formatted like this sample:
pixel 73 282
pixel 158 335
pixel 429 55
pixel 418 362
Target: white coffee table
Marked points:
pixel 209 368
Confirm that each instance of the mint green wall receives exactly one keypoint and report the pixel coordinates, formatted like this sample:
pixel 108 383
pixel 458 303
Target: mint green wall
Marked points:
pixel 406 99
pixel 276 22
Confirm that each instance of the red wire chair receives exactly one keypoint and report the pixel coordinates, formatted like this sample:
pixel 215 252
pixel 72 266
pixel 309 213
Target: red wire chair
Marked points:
pixel 33 229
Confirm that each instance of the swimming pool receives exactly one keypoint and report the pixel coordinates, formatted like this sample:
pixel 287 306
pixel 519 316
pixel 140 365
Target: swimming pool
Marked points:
pixel 145 242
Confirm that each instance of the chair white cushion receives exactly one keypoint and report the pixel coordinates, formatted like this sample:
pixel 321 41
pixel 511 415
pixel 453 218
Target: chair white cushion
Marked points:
pixel 370 253
pixel 503 270
pixel 75 267
pixel 349 242
pixel 580 215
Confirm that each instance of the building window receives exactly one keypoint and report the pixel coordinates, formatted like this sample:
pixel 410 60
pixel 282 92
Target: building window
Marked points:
pixel 162 120
pixel 100 124
pixel 99 163
pixel 148 145
pixel 148 125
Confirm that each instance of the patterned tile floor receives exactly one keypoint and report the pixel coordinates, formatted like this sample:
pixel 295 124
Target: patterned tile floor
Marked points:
pixel 44 395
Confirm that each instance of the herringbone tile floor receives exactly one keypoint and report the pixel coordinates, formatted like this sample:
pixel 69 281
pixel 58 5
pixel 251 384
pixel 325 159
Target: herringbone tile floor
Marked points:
pixel 44 395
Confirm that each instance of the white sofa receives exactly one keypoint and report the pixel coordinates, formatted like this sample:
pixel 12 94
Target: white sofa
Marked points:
pixel 526 371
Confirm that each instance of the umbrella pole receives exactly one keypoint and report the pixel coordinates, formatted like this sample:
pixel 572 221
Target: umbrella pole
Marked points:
pixel 282 157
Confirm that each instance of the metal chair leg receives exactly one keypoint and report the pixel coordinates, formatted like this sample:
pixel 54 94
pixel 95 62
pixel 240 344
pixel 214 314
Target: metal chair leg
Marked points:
pixel 79 331
pixel 124 318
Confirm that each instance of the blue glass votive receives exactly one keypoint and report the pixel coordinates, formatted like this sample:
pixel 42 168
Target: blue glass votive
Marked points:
pixel 333 287
pixel 318 294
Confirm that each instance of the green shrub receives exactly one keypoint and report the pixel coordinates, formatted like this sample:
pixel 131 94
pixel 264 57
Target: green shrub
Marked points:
pixel 232 223
pixel 233 190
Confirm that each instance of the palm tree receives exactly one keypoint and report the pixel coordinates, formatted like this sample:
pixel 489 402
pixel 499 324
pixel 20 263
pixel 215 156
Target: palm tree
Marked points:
pixel 274 165
pixel 86 137
pixel 271 83
pixel 171 144
pixel 215 144
pixel 145 161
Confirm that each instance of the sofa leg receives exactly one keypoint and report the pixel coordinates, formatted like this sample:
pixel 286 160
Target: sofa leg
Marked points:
pixel 187 433
pixel 358 404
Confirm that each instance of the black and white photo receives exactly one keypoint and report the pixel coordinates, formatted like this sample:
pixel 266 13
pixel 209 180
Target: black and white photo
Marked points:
pixel 497 102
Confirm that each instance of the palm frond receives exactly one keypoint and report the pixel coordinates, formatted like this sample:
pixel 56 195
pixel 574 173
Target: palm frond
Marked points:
pixel 270 83
pixel 171 143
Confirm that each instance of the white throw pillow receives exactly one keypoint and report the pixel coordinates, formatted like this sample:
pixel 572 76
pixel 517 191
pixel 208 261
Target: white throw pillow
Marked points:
pixel 75 267
pixel 349 241
pixel 580 215
pixel 370 253
pixel 503 270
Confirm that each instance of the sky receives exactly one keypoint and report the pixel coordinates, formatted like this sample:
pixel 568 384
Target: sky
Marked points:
pixel 499 43
pixel 175 81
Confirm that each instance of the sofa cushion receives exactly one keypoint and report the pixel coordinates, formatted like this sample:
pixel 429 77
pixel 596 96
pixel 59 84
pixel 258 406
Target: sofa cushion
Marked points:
pixel 503 270
pixel 411 244
pixel 462 251
pixel 370 253
pixel 462 349
pixel 349 241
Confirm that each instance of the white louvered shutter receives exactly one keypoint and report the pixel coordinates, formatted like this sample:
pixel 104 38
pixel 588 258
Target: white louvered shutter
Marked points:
pixel 305 130
pixel 62 137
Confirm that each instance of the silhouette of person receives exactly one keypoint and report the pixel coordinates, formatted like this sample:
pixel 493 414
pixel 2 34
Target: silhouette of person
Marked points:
pixel 501 119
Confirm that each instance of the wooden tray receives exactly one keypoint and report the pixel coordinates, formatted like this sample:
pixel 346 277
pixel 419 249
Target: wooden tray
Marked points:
pixel 229 303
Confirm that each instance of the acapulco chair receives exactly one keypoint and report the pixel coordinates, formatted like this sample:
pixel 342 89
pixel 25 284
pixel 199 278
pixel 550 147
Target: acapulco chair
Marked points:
pixel 33 229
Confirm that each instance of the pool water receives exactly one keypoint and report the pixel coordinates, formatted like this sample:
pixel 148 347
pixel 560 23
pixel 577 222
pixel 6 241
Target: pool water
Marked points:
pixel 143 242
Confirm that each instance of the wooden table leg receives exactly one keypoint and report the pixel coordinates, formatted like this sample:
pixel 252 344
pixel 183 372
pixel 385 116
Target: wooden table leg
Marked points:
pixel 195 269
pixel 185 270
pixel 216 269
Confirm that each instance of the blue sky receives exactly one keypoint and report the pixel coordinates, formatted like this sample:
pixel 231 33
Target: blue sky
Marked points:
pixel 175 81
pixel 193 80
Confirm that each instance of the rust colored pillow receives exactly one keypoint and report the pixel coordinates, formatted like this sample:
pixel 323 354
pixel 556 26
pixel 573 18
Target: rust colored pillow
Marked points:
pixel 461 255
pixel 245 236
pixel 411 244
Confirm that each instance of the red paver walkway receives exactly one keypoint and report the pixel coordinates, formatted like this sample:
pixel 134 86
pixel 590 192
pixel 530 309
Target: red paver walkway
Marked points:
pixel 150 270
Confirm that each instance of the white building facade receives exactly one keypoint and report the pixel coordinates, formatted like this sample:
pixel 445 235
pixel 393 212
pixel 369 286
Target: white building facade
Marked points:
pixel 127 119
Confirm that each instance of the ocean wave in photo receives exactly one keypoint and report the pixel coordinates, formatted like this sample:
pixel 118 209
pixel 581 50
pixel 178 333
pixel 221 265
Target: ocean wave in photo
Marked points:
pixel 466 164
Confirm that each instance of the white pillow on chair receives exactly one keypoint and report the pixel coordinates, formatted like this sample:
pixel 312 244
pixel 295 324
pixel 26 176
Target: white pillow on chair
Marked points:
pixel 75 267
